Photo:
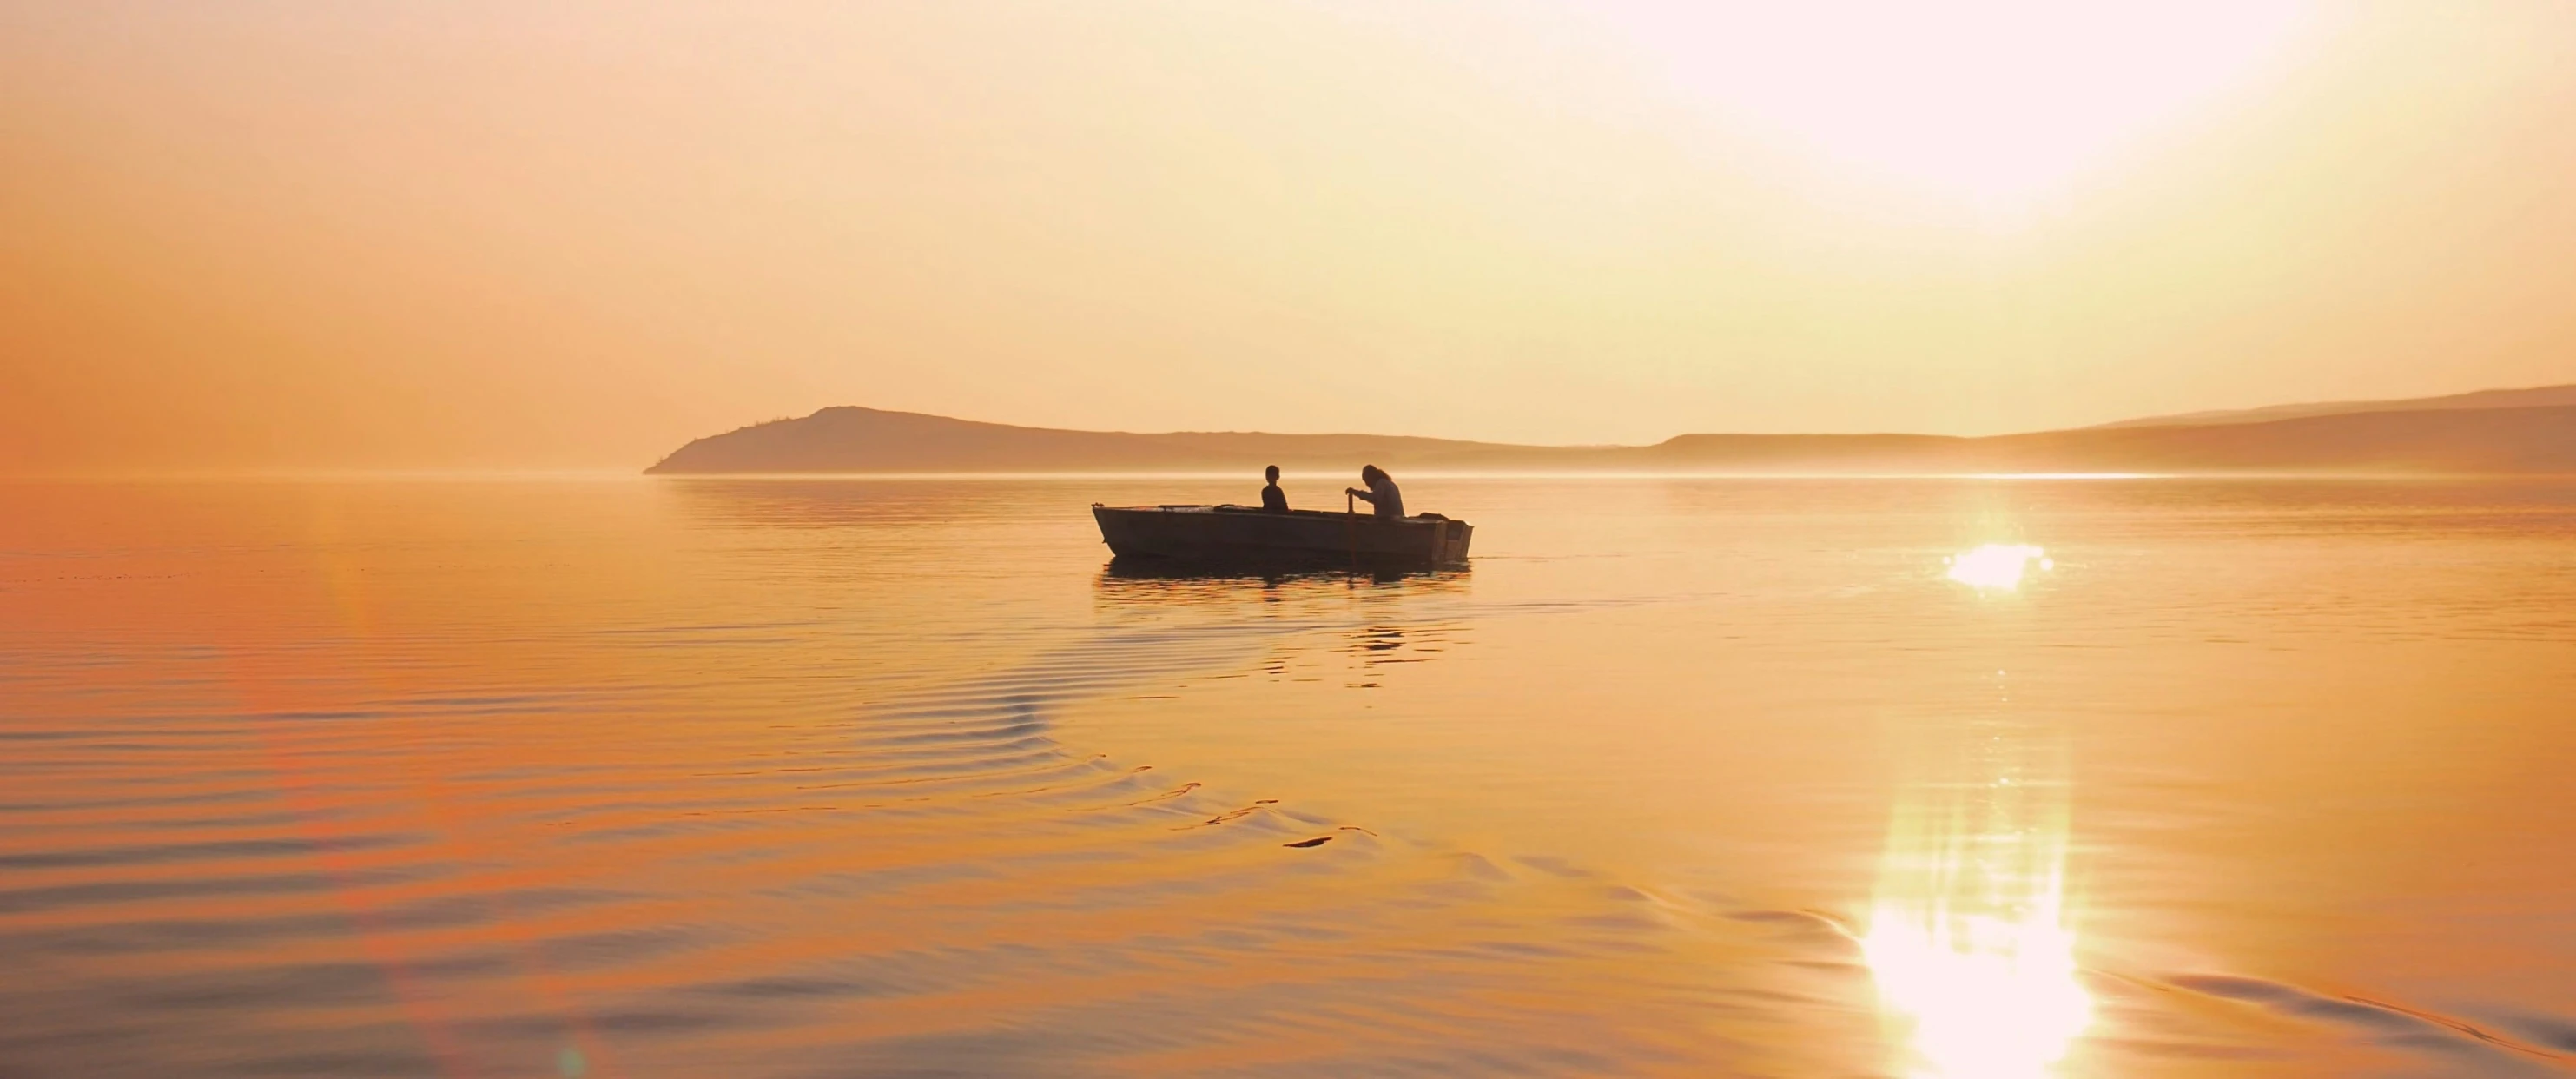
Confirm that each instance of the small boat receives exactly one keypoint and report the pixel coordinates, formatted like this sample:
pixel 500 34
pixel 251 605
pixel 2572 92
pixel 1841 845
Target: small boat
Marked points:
pixel 1244 535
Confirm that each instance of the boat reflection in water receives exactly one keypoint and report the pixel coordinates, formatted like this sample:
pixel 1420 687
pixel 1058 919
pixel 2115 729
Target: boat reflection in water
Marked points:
pixel 1381 615
pixel 1162 578
pixel 1968 937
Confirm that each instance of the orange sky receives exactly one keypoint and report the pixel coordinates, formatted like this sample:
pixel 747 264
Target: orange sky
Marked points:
pixel 486 234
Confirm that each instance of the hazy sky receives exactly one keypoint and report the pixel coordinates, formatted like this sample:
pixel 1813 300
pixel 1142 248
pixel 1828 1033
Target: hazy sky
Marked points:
pixel 469 234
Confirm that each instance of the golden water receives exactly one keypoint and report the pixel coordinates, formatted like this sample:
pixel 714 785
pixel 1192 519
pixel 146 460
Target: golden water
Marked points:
pixel 616 777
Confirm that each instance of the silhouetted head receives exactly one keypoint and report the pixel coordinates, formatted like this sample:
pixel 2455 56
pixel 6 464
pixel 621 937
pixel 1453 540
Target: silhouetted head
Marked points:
pixel 1271 473
pixel 1371 474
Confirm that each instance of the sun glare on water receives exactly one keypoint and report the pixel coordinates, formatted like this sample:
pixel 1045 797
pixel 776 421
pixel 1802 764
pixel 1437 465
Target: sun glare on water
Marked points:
pixel 1968 938
pixel 1997 567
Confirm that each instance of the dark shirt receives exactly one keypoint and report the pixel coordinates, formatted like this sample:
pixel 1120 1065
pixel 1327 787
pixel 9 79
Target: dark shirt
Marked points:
pixel 1274 500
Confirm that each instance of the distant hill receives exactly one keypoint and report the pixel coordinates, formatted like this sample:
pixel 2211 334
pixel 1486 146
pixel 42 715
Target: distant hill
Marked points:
pixel 2458 440
pixel 2535 397
pixel 2446 437
pixel 852 439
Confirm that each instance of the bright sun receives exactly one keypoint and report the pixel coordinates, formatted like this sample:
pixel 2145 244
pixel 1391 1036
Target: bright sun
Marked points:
pixel 1987 98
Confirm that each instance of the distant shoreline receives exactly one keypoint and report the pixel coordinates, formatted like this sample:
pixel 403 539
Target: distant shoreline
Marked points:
pixel 2500 433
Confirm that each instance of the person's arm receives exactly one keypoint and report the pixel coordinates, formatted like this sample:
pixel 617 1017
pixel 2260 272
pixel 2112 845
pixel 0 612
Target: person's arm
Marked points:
pixel 1362 494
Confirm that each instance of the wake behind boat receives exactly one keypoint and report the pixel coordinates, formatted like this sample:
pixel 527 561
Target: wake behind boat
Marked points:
pixel 1243 534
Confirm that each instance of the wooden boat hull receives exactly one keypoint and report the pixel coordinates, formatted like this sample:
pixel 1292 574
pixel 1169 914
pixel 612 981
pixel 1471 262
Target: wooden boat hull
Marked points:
pixel 1240 535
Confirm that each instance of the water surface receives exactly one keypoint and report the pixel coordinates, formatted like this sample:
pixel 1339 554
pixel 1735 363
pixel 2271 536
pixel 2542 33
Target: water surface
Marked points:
pixel 1986 778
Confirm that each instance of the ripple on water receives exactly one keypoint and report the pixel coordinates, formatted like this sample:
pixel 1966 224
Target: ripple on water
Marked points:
pixel 785 793
pixel 738 909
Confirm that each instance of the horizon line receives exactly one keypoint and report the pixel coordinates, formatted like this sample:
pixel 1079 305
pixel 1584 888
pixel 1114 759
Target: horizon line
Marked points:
pixel 546 474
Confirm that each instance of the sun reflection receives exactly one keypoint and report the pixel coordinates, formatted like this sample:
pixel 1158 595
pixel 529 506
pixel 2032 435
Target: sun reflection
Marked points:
pixel 1968 937
pixel 1996 566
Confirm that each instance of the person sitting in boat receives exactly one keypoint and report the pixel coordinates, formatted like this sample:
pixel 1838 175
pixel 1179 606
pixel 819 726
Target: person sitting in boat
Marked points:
pixel 1381 492
pixel 1273 500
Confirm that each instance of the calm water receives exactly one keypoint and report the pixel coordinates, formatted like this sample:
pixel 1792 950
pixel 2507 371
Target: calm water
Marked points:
pixel 896 777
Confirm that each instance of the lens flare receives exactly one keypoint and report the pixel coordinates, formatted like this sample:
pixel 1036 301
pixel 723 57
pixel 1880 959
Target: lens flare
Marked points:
pixel 1996 567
